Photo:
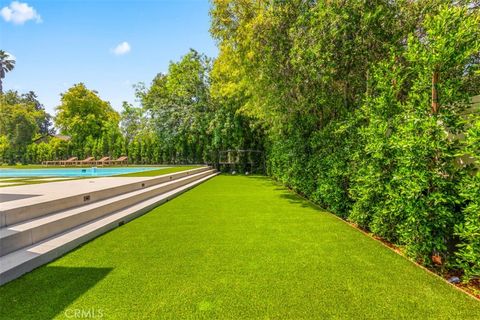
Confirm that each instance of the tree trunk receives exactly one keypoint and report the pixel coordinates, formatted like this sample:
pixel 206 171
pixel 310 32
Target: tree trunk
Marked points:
pixel 435 103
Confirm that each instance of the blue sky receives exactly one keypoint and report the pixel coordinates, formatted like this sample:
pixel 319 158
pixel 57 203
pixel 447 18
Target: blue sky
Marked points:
pixel 108 45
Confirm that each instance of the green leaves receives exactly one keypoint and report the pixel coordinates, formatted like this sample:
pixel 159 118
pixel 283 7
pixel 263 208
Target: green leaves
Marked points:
pixel 468 230
pixel 413 157
pixel 22 118
pixel 83 114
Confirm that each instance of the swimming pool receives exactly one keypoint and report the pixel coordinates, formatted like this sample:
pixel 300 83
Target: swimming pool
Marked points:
pixel 73 172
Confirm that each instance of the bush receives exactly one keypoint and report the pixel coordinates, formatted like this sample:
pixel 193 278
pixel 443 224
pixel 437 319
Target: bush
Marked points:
pixel 390 165
pixel 468 255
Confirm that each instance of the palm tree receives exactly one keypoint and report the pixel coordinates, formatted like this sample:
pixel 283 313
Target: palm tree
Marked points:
pixel 6 64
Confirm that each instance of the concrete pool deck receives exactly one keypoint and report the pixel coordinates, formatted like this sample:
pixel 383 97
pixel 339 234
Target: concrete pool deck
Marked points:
pixel 62 189
pixel 35 200
pixel 40 222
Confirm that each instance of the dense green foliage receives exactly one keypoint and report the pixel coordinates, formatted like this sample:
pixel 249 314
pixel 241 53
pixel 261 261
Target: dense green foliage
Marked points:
pixel 184 120
pixel 235 247
pixel 82 114
pixel 344 92
pixel 468 230
pixel 408 147
pixel 22 118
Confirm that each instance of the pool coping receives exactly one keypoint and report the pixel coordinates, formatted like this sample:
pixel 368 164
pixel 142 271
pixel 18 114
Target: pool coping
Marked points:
pixel 43 176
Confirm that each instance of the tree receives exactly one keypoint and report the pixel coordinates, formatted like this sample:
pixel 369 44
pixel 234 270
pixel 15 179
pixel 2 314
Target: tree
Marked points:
pixel 131 121
pixel 6 65
pixel 83 114
pixel 18 123
pixel 29 99
pixel 45 124
pixel 179 105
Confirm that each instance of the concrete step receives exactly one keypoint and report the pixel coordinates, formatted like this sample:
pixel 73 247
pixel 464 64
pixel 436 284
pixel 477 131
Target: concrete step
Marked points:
pixel 32 231
pixel 28 258
pixel 27 209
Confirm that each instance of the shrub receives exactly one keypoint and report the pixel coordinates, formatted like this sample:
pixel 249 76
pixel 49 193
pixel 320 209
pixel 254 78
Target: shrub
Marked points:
pixel 468 255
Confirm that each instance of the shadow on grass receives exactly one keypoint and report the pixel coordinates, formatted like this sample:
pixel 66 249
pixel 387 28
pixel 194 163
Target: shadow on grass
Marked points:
pixel 45 293
pixel 294 199
pixel 287 194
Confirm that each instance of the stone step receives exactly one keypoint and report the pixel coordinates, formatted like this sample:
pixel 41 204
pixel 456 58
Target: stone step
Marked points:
pixel 32 231
pixel 26 209
pixel 28 258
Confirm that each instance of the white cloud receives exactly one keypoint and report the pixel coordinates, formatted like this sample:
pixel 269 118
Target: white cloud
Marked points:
pixel 19 13
pixel 122 48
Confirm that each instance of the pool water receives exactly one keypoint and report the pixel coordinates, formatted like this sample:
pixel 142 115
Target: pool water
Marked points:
pixel 73 172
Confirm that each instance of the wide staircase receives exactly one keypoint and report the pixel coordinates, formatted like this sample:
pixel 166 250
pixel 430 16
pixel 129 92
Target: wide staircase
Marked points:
pixel 33 235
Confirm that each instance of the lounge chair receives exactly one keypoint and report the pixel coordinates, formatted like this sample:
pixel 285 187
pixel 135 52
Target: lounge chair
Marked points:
pixel 120 161
pixel 103 161
pixel 86 161
pixel 49 163
pixel 71 160
pixel 58 162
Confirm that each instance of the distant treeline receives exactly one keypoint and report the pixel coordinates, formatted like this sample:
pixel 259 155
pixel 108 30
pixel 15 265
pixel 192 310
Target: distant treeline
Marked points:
pixel 178 122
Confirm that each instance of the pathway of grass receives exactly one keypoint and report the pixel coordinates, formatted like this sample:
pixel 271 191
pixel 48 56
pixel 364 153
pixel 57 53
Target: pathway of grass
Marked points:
pixel 234 248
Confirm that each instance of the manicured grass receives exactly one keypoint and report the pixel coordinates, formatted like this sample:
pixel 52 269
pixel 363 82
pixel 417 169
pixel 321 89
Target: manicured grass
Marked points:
pixel 27 166
pixel 153 173
pixel 235 248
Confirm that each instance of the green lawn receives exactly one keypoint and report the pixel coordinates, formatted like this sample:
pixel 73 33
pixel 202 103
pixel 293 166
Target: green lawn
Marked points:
pixel 235 248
